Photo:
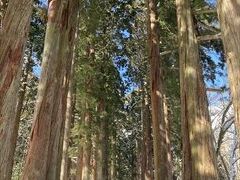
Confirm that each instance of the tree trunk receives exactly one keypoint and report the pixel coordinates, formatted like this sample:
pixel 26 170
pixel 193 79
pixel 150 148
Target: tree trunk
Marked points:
pixel 79 165
pixel 229 14
pixel 87 147
pixel 113 174
pixel 99 158
pixel 102 145
pixel 160 146
pixel 146 163
pixel 102 156
pixel 72 36
pixel 13 35
pixel 44 154
pixel 69 117
pixel 95 157
pixel 105 168
pixel 199 160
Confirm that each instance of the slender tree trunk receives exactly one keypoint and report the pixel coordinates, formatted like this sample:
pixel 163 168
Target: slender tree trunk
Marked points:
pixel 22 91
pixel 79 165
pixel 68 122
pixel 199 160
pixel 102 146
pixel 45 143
pixel 95 156
pixel 160 146
pixel 102 161
pixel 105 167
pixel 99 157
pixel 13 36
pixel 147 168
pixel 229 15
pixel 69 88
pixel 87 148
pixel 166 118
pixel 113 174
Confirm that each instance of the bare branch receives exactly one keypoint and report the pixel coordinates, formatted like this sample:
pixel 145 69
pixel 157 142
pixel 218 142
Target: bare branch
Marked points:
pixel 209 37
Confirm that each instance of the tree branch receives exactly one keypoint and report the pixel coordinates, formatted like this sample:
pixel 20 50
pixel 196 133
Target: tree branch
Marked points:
pixel 209 37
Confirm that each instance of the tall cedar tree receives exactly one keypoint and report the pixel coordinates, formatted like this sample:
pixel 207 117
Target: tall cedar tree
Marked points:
pixel 198 152
pixel 229 16
pixel 162 167
pixel 44 154
pixel 13 35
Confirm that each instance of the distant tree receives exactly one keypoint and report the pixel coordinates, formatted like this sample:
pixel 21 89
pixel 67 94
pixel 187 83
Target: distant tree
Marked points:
pixel 162 165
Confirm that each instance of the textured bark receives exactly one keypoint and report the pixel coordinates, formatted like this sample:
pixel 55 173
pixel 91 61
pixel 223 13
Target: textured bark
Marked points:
pixel 199 160
pixel 69 118
pixel 87 148
pixel 160 146
pixel 102 146
pixel 43 159
pixel 167 123
pixel 95 157
pixel 113 170
pixel 102 154
pixel 147 161
pixel 229 16
pixel 13 35
pixel 79 164
pixel 68 86
pixel 99 156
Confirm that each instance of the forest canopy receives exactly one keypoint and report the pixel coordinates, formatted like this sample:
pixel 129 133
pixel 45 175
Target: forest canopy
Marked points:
pixel 119 89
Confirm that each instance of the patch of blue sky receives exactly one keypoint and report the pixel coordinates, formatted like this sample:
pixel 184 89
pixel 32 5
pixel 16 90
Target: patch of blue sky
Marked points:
pixel 221 75
pixel 217 98
pixel 37 67
pixel 211 2
pixel 43 2
pixel 125 34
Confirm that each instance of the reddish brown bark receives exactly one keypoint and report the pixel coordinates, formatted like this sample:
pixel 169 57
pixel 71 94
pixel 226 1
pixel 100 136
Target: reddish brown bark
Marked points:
pixel 44 155
pixel 199 160
pixel 13 35
pixel 160 146
pixel 229 15
pixel 67 126
pixel 79 164
pixel 147 160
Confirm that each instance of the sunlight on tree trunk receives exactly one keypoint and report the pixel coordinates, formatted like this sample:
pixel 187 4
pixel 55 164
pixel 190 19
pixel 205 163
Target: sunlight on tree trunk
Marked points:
pixel 229 16
pixel 43 159
pixel 199 160
pixel 160 146
pixel 13 36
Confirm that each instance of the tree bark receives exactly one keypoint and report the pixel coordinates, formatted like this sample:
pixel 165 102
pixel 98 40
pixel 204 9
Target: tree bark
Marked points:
pixel 13 36
pixel 199 160
pixel 87 147
pixel 146 163
pixel 161 163
pixel 113 174
pixel 102 145
pixel 229 14
pixel 43 159
pixel 79 165
pixel 69 118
